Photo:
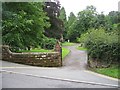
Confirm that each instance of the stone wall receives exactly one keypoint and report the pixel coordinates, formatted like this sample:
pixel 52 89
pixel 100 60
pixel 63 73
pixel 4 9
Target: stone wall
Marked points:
pixel 95 63
pixel 51 59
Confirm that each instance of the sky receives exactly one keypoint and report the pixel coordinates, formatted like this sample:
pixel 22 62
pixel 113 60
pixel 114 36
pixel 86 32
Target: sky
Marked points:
pixel 76 6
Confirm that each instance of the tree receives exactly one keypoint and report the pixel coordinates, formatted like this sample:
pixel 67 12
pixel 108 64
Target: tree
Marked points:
pixel 85 20
pixel 64 20
pixel 103 21
pixel 114 17
pixel 71 27
pixel 71 18
pixel 53 12
pixel 23 24
pixel 63 14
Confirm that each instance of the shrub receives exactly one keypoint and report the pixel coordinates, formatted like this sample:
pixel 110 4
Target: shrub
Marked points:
pixel 48 43
pixel 101 45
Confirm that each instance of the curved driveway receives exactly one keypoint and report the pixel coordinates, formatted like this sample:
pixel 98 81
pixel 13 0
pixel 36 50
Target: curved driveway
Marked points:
pixel 76 59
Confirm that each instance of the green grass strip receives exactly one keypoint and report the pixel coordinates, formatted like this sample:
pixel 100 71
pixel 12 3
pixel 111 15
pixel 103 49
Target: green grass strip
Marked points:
pixel 36 50
pixel 111 71
pixel 65 52
pixel 81 48
pixel 67 44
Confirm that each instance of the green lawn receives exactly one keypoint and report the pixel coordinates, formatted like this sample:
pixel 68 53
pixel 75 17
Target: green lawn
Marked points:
pixel 36 50
pixel 67 44
pixel 81 48
pixel 65 52
pixel 111 71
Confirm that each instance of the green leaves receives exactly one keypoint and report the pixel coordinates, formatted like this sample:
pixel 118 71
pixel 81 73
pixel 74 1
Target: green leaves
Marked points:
pixel 63 17
pixel 90 18
pixel 71 30
pixel 48 43
pixel 101 45
pixel 23 24
pixel 53 11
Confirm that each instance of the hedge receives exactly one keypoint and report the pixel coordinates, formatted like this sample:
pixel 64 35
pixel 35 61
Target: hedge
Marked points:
pixel 101 45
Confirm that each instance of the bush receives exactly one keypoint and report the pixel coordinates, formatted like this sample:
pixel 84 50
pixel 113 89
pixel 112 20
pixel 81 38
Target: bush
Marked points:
pixel 101 45
pixel 48 43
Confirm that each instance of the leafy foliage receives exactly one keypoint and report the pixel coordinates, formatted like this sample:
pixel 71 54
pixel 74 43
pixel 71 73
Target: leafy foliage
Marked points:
pixel 64 20
pixel 71 31
pixel 23 24
pixel 114 17
pixel 53 11
pixel 81 23
pixel 90 18
pixel 48 43
pixel 101 45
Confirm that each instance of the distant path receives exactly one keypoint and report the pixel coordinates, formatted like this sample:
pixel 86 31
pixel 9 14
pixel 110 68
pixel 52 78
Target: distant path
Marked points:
pixel 76 59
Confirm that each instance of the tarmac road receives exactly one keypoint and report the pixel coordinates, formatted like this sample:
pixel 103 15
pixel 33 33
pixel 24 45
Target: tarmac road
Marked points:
pixel 12 80
pixel 72 75
pixel 77 59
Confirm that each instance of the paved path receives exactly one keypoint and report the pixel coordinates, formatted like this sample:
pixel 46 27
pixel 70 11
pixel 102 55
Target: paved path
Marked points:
pixel 77 59
pixel 74 70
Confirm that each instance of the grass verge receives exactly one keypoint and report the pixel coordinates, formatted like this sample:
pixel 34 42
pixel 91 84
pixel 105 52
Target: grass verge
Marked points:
pixel 36 50
pixel 67 44
pixel 81 48
pixel 112 71
pixel 65 52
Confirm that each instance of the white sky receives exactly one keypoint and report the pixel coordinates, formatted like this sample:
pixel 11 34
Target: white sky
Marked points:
pixel 78 5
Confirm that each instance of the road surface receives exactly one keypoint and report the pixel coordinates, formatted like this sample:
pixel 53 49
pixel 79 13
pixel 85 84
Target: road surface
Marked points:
pixel 12 80
pixel 72 75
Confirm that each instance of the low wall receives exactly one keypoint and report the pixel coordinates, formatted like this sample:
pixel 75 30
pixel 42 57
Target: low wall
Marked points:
pixel 51 59
pixel 94 63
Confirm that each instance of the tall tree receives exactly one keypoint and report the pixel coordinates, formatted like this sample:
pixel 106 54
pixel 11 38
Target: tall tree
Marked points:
pixel 63 14
pixel 63 17
pixel 71 18
pixel 114 17
pixel 23 24
pixel 53 12
pixel 86 18
pixel 71 25
pixel 100 21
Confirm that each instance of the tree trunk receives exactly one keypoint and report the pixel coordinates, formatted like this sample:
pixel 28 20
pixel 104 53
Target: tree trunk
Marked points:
pixel 28 48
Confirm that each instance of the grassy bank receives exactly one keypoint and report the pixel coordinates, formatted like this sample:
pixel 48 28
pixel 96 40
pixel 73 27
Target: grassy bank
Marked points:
pixel 65 52
pixel 67 44
pixel 111 71
pixel 36 50
pixel 81 48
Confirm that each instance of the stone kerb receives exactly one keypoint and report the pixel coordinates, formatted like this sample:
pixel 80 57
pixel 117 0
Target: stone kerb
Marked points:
pixel 50 59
